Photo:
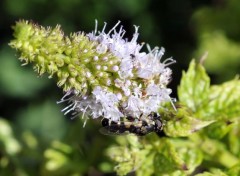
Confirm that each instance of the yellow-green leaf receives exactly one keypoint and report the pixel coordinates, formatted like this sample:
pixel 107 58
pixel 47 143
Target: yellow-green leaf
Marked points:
pixel 193 91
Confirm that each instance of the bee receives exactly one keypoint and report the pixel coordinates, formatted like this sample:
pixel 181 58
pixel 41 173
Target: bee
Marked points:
pixel 131 125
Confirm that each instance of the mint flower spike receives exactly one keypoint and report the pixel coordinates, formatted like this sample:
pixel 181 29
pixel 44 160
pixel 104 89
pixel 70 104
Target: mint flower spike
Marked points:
pixel 101 73
pixel 138 85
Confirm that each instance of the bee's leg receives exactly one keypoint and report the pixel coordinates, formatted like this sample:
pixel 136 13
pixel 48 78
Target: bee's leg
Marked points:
pixel 122 127
pixel 161 133
pixel 158 125
pixel 159 128
pixel 149 129
pixel 141 131
pixel 132 129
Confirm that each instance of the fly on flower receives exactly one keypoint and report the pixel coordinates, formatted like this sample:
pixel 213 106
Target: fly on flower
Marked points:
pixel 131 126
pixel 101 73
pixel 136 86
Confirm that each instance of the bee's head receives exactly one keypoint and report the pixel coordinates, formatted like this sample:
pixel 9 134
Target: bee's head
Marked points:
pixel 105 122
pixel 156 116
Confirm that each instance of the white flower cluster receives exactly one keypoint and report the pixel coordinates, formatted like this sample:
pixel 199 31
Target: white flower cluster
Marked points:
pixel 141 78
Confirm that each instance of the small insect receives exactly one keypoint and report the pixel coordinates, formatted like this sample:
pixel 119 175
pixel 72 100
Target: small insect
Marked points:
pixel 132 55
pixel 139 127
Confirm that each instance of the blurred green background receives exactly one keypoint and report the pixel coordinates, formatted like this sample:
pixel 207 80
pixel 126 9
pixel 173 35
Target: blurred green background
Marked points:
pixel 35 137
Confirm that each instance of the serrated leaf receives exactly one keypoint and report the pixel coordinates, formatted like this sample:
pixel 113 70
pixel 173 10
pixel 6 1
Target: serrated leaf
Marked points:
pixel 167 160
pixel 219 102
pixel 218 129
pixel 163 164
pixel 224 101
pixel 214 150
pixel 194 87
pixel 176 155
pixel 182 124
pixel 233 138
pixel 145 166
pixel 130 159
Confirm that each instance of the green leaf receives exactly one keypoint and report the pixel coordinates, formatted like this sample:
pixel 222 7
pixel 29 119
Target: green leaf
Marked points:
pixel 193 91
pixel 164 164
pixel 183 124
pixel 209 103
pixel 57 157
pixel 214 150
pixel 10 145
pixel 163 156
pixel 145 166
pixel 235 170
pixel 224 101
pixel 176 157
pixel 233 138
pixel 128 155
pixel 218 129
pixel 130 159
pixel 215 172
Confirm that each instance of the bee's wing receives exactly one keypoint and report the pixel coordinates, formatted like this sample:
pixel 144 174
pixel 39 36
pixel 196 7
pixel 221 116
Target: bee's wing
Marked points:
pixel 113 130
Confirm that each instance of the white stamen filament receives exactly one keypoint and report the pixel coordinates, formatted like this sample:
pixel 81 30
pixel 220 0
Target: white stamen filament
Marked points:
pixel 114 27
pixel 105 24
pixel 96 25
pixel 170 61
